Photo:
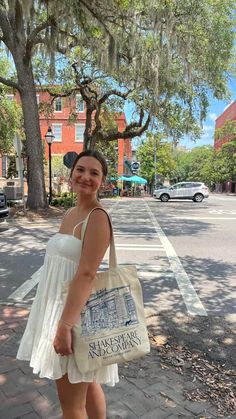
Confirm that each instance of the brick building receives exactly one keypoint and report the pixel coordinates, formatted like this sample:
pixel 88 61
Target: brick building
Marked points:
pixel 69 135
pixel 229 114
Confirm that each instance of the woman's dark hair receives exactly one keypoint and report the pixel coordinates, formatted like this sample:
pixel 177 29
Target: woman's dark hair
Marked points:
pixel 92 153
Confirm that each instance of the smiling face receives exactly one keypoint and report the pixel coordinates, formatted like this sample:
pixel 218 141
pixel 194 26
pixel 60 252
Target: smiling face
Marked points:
pixel 87 176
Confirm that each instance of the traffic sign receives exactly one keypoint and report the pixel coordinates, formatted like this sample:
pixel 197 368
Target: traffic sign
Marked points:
pixel 135 165
pixel 69 158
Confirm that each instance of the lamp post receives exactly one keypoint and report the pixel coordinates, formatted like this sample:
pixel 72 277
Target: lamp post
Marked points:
pixel 49 138
pixel 155 163
pixel 175 145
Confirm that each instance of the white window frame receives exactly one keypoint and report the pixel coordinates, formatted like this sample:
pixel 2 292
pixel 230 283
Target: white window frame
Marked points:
pixel 79 100
pixel 57 140
pixel 10 97
pixel 38 99
pixel 79 139
pixel 55 104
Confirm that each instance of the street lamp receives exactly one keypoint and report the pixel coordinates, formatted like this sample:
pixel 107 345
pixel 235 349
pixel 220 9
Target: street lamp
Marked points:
pixel 155 160
pixel 49 138
pixel 155 163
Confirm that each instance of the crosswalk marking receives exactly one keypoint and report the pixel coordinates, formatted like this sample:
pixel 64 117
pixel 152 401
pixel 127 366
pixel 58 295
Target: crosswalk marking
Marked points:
pixel 155 272
pixel 20 293
pixel 26 287
pixel 139 247
pixel 136 235
pixel 192 301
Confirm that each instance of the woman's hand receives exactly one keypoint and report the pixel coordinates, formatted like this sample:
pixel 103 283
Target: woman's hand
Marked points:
pixel 63 340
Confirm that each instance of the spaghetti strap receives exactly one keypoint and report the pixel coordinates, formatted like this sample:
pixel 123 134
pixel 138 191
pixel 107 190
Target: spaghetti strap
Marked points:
pixel 67 212
pixel 81 222
pixel 85 222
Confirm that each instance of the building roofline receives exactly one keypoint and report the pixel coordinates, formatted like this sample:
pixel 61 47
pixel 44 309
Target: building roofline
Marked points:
pixel 226 109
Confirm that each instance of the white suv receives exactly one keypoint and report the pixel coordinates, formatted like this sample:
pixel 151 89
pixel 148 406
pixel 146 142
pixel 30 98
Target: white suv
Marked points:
pixel 196 191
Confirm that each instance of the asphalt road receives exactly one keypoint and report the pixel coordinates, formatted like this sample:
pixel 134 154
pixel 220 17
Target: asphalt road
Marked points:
pixel 184 252
pixel 185 256
pixel 204 238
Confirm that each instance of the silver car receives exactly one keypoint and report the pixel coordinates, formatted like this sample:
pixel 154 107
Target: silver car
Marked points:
pixel 196 191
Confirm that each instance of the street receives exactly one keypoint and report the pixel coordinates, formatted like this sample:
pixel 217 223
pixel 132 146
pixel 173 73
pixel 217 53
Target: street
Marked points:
pixel 184 251
pixel 185 256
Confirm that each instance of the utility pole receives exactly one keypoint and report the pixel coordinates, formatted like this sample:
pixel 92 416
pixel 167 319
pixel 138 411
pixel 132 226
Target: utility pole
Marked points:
pixel 155 163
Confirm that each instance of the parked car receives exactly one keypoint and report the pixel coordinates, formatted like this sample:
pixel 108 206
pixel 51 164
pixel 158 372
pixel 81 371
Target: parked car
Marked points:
pixel 4 211
pixel 196 191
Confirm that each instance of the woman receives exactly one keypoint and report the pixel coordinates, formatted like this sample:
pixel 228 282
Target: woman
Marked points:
pixel 47 341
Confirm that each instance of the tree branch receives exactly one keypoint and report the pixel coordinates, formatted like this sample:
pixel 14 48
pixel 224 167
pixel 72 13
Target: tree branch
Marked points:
pixel 115 135
pixel 136 124
pixel 115 93
pixel 96 16
pixel 33 38
pixel 10 83
pixel 5 27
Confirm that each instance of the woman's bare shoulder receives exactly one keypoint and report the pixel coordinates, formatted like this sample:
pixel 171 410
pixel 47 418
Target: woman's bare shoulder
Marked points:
pixel 99 218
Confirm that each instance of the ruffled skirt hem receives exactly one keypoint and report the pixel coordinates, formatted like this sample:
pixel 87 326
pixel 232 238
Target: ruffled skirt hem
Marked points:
pixel 109 378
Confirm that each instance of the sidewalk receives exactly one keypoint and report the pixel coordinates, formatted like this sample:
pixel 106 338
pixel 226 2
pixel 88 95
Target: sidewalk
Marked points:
pixel 150 388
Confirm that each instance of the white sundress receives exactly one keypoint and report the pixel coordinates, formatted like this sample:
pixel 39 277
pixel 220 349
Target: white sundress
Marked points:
pixel 60 264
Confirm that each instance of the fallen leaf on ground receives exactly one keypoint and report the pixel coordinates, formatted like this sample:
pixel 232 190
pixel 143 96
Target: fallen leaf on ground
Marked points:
pixel 160 340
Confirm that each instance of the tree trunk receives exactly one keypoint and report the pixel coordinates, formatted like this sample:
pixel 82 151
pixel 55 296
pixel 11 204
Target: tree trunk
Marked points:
pixel 36 185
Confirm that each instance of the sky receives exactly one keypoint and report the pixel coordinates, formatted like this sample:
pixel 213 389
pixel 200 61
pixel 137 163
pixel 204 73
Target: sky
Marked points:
pixel 215 109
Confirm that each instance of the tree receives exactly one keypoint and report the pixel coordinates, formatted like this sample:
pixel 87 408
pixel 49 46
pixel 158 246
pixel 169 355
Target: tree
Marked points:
pixel 227 155
pixel 168 71
pixel 227 132
pixel 53 26
pixel 10 123
pixel 196 165
pixel 10 112
pixel 166 53
pixel 165 162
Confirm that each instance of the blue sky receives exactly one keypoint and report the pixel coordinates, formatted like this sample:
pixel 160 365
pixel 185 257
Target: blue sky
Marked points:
pixel 215 109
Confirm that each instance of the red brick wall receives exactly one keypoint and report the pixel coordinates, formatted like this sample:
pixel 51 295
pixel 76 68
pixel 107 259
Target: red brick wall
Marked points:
pixel 68 142
pixel 228 115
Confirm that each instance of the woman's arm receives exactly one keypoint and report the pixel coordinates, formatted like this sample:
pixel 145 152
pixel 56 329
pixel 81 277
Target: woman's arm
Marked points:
pixel 96 242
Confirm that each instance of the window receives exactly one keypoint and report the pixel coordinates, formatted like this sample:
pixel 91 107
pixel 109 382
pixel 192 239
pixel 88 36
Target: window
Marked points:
pixel 57 132
pixel 79 104
pixel 37 98
pixel 10 97
pixel 58 104
pixel 79 132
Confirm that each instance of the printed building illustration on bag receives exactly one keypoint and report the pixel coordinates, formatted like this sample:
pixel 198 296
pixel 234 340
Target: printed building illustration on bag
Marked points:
pixel 108 309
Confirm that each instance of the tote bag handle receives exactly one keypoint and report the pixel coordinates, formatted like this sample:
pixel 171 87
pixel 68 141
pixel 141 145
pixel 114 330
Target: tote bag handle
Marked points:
pixel 112 252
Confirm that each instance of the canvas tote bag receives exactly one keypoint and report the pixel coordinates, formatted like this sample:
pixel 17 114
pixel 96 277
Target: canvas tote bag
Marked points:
pixel 112 327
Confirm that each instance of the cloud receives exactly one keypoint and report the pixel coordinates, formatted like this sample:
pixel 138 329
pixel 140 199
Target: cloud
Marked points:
pixel 207 129
pixel 212 116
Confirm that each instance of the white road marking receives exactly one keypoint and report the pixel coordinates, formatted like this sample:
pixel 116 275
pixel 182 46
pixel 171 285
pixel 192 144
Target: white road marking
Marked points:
pixel 19 294
pixel 157 274
pixel 222 212
pixel 26 287
pixel 193 303
pixel 139 246
pixel 204 218
pixel 224 199
pixel 136 235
